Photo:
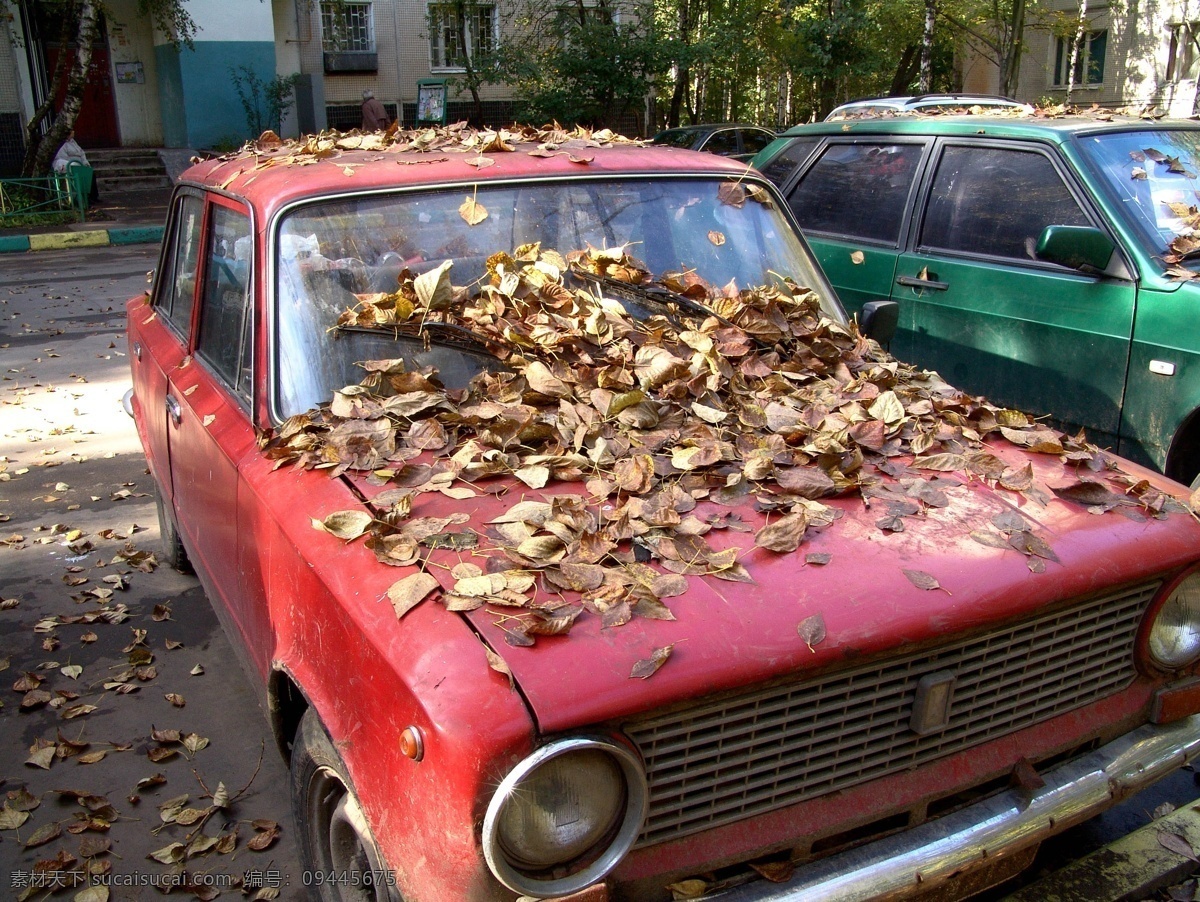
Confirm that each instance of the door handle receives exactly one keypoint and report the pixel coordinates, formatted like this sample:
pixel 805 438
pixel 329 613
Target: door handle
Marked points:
pixel 914 282
pixel 173 410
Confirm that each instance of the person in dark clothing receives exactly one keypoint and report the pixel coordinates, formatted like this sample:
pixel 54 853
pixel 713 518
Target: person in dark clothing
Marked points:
pixel 374 115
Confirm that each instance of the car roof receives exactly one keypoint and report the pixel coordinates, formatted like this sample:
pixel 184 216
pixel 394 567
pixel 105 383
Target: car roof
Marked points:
pixel 710 127
pixel 270 174
pixel 1041 125
pixel 925 101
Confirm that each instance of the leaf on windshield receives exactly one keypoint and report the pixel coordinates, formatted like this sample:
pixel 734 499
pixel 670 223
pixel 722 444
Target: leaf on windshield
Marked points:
pixel 433 288
pixel 717 238
pixel 472 211
pixel 732 193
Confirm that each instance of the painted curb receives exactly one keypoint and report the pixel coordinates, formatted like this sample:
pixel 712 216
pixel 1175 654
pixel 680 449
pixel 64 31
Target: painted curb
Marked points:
pixel 136 235
pixel 88 238
pixel 59 240
pixel 1132 867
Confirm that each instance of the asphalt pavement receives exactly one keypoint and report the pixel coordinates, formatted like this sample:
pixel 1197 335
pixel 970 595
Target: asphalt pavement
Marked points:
pixel 134 754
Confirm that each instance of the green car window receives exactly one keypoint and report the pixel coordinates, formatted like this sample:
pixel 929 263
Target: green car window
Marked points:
pixel 995 201
pixel 858 190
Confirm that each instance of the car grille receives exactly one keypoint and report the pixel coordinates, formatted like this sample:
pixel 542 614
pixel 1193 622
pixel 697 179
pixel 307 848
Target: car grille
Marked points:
pixel 742 756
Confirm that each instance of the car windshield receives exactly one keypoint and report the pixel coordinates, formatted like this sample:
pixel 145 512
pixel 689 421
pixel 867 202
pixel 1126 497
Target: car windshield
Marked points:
pixel 714 235
pixel 1145 172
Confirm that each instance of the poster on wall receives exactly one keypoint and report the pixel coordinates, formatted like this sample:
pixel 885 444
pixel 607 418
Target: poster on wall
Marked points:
pixel 130 74
pixel 431 101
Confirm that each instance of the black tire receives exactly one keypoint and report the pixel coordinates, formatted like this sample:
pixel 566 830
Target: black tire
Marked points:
pixel 335 838
pixel 173 552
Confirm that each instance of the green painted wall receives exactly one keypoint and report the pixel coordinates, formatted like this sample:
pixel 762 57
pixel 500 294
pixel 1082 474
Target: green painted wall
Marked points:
pixel 200 104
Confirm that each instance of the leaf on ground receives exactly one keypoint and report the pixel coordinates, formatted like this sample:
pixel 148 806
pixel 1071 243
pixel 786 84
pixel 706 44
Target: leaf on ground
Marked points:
pixel 1176 843
pixel 266 832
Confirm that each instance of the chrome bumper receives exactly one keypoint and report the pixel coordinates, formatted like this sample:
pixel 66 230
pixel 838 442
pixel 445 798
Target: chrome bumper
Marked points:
pixel 982 834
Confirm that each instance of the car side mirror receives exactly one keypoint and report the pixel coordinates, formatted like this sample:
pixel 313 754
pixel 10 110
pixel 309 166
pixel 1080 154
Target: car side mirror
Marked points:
pixel 878 320
pixel 1081 248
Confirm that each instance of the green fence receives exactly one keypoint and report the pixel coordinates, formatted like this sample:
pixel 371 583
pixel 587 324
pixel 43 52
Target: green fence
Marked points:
pixel 53 195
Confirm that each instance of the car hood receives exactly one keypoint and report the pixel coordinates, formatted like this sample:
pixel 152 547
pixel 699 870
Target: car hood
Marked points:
pixel 852 588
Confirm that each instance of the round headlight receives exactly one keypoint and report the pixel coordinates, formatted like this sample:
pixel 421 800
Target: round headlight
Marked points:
pixel 1174 637
pixel 564 817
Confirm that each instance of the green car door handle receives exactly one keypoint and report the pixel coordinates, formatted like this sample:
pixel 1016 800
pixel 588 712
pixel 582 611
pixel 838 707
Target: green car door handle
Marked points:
pixel 914 282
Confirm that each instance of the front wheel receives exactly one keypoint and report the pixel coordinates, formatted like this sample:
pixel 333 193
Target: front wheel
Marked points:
pixel 173 553
pixel 341 859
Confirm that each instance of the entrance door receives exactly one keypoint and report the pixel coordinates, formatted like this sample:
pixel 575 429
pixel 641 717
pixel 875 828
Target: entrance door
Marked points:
pixel 97 122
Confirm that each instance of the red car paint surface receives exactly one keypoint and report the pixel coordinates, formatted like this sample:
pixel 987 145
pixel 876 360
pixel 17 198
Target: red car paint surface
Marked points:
pixel 310 613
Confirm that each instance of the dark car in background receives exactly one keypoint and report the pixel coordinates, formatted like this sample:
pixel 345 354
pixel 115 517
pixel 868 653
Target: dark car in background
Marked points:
pixel 732 139
pixel 1046 262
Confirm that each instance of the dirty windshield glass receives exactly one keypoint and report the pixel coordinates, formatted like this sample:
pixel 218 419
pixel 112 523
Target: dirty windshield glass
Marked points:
pixel 1146 172
pixel 714 237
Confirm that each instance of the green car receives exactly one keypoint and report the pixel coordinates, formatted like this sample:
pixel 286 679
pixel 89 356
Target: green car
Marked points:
pixel 1043 262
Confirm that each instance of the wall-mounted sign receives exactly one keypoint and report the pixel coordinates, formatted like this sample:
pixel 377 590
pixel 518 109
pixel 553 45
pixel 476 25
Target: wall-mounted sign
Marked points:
pixel 130 74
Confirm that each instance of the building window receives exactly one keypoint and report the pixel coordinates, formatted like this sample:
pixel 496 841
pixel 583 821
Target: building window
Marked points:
pixel 347 27
pixel 1089 62
pixel 1183 55
pixel 461 31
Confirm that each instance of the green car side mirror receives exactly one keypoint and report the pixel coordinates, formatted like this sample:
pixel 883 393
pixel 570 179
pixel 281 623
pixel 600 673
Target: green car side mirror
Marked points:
pixel 1083 248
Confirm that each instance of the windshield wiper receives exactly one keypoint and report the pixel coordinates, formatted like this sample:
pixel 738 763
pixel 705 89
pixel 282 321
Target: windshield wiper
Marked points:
pixel 663 298
pixel 448 334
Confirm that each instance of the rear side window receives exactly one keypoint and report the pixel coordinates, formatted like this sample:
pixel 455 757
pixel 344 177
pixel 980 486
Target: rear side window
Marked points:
pixel 754 141
pixel 858 190
pixel 225 311
pixel 177 292
pixel 995 201
pixel 783 164
pixel 722 142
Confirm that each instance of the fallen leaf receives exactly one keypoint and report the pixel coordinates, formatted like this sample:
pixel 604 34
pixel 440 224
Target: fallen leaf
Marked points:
pixel 812 630
pixel 647 667
pixel 923 580
pixel 407 593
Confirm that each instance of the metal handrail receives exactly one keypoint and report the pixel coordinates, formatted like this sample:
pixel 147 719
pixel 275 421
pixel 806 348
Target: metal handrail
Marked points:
pixel 56 193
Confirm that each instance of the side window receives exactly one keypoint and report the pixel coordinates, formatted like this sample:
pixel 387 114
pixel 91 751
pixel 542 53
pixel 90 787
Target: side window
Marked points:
pixel 177 292
pixel 722 142
pixel 785 162
pixel 995 201
pixel 858 190
pixel 225 309
pixel 753 140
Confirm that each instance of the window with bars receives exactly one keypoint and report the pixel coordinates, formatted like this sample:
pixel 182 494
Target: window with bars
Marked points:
pixel 461 31
pixel 1089 61
pixel 347 27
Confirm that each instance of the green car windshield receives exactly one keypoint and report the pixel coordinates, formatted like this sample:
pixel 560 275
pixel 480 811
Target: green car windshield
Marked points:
pixel 1145 172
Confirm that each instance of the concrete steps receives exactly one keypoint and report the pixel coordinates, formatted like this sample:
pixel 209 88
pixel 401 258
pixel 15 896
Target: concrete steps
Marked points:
pixel 123 169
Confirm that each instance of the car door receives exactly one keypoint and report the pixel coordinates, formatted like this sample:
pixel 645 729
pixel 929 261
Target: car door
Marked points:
pixel 161 338
pixel 976 306
pixel 208 403
pixel 853 203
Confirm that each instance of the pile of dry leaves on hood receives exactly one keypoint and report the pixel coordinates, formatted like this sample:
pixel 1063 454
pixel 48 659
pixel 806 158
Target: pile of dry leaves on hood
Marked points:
pixel 633 427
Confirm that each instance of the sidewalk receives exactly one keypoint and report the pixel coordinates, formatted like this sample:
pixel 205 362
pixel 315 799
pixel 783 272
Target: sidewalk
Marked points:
pixel 124 217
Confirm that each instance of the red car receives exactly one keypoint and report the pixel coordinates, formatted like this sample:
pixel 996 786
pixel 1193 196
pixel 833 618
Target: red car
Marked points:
pixel 581 549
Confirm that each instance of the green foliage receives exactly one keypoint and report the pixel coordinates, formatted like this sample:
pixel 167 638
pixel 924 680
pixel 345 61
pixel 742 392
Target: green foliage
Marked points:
pixel 264 103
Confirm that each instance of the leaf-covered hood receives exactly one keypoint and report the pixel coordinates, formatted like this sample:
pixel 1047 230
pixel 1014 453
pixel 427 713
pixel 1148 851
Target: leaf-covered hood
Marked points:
pixel 635 512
